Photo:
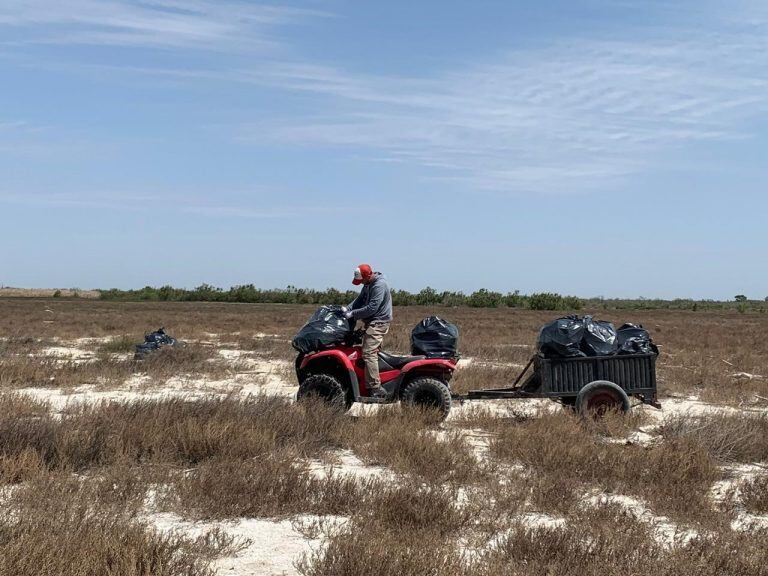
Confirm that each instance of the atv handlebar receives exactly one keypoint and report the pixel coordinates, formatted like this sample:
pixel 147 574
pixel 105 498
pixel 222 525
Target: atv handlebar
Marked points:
pixel 355 338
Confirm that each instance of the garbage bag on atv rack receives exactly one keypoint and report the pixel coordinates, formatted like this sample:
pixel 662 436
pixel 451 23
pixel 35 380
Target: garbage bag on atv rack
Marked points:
pixel 433 337
pixel 573 336
pixel 153 341
pixel 327 327
pixel 634 339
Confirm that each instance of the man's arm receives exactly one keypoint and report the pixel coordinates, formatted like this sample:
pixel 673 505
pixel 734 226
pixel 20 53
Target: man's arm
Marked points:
pixel 356 301
pixel 374 301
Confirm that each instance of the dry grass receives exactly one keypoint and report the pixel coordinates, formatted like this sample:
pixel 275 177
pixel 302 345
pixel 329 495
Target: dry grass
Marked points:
pixel 605 541
pixel 270 487
pixel 409 441
pixel 172 431
pixel 754 495
pixel 61 525
pixel 123 343
pixel 728 438
pixel 700 350
pixel 400 530
pixel 84 475
pixel 567 457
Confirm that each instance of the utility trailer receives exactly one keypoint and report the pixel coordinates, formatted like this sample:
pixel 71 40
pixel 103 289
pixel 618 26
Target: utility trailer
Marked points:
pixel 589 384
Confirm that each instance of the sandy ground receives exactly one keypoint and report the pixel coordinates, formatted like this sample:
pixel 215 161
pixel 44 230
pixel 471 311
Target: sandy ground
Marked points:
pixel 273 547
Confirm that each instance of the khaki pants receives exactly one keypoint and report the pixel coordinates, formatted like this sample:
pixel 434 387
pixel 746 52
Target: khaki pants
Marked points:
pixel 374 336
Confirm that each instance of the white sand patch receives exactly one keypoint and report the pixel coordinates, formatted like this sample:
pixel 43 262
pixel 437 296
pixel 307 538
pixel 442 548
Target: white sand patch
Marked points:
pixel 345 463
pixel 666 532
pixel 274 545
pixel 737 475
pixel 745 376
pixel 231 354
pixel 59 399
pixel 731 488
pixel 692 406
pixel 92 341
pixel 479 441
pixel 269 377
pixel 538 520
pixel 500 365
pixel 66 353
pixel 637 437
pixel 470 361
pixel 266 378
pixel 502 408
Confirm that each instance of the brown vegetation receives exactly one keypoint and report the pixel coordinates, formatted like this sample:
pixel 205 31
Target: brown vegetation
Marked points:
pixel 455 496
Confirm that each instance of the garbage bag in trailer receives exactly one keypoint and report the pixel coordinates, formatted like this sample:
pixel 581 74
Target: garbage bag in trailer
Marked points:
pixel 599 338
pixel 562 338
pixel 433 337
pixel 634 339
pixel 327 327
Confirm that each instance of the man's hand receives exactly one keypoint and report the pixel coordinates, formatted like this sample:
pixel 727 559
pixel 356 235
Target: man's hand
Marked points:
pixel 346 312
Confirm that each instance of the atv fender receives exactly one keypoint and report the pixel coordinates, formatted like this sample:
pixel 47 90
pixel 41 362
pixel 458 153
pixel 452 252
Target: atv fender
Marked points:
pixel 342 360
pixel 430 365
pixel 426 367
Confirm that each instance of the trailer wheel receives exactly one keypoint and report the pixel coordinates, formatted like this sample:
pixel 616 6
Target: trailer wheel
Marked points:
pixel 597 398
pixel 428 393
pixel 325 387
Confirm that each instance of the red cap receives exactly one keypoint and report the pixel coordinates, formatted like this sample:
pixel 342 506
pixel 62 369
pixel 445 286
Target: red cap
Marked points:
pixel 363 273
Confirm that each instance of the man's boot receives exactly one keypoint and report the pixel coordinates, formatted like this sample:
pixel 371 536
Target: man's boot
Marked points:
pixel 377 392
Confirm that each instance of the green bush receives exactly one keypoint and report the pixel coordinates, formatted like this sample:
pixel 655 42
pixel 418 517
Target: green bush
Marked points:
pixel 485 299
pixel 546 301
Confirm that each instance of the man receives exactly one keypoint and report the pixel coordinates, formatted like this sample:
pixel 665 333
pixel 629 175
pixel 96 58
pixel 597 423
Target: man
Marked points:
pixel 373 306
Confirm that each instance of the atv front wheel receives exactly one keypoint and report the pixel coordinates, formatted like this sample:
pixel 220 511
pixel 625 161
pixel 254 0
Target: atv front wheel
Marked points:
pixel 428 393
pixel 325 387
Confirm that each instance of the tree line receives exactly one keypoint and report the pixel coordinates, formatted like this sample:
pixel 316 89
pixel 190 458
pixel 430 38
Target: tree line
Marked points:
pixel 482 298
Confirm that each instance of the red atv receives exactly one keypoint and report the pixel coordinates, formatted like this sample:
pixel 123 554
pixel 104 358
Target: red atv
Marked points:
pixel 337 375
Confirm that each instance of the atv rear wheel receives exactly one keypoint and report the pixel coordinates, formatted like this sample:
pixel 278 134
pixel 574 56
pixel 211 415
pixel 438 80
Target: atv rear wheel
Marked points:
pixel 428 392
pixel 325 387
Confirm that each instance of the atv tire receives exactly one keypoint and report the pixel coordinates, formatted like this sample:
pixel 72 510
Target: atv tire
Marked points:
pixel 325 387
pixel 428 392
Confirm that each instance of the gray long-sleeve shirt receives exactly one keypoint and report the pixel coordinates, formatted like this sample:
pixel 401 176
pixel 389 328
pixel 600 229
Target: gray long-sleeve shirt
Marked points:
pixel 374 303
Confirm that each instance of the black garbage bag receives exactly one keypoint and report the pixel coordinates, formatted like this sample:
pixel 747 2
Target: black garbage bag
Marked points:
pixel 575 336
pixel 433 337
pixel 327 327
pixel 634 339
pixel 154 341
pixel 599 338
pixel 562 338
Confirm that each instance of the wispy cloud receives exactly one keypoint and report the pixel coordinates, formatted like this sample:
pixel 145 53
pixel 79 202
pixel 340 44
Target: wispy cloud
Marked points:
pixel 183 202
pixel 207 24
pixel 578 115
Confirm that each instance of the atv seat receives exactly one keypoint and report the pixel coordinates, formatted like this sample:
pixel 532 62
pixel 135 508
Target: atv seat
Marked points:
pixel 397 361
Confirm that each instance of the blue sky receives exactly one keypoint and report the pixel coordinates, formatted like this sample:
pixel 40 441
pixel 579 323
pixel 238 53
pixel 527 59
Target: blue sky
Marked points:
pixel 598 147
